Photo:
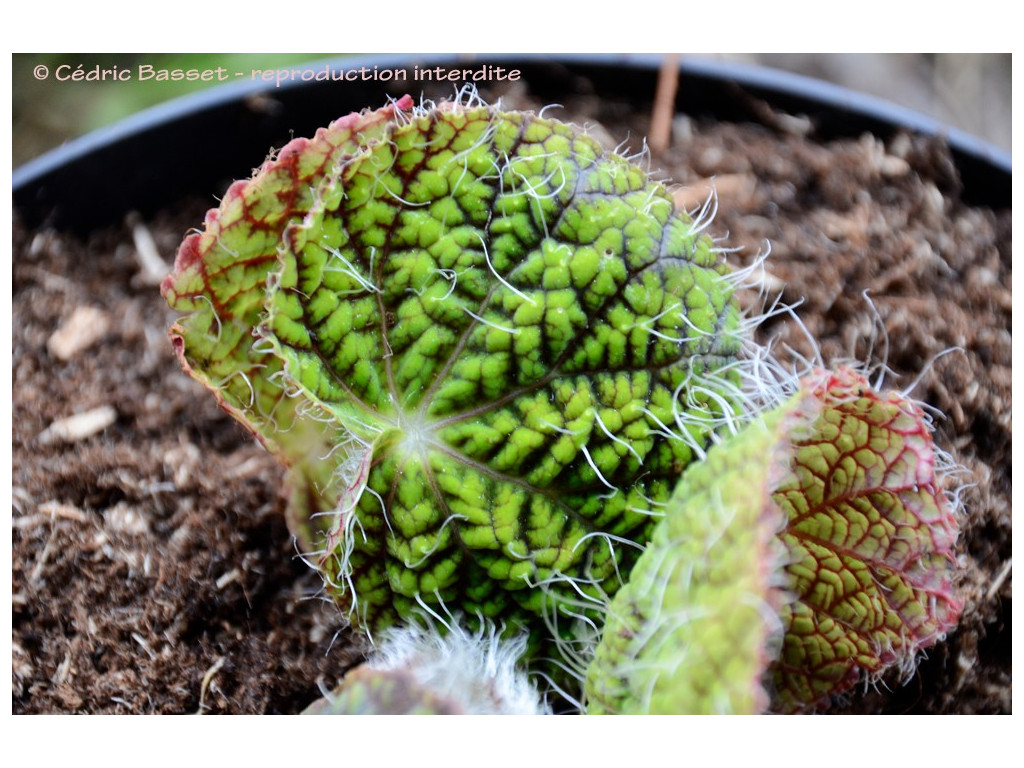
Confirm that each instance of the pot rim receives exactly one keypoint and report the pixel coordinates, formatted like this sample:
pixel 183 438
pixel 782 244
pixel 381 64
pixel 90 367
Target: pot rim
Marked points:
pixel 767 82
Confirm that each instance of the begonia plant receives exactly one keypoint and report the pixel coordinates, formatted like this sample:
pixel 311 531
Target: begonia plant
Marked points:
pixel 513 388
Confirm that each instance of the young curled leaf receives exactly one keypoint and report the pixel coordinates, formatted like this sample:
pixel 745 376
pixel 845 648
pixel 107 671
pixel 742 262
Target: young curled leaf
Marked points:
pixel 863 556
pixel 419 671
pixel 368 691
pixel 691 631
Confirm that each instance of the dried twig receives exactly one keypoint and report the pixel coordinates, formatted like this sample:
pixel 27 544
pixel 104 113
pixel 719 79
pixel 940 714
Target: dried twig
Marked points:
pixel 660 135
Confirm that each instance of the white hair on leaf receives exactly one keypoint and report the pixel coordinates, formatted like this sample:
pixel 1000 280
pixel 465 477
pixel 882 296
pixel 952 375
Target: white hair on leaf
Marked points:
pixel 475 670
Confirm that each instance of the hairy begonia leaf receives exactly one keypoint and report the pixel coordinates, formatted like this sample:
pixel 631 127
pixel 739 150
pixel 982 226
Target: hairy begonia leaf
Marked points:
pixel 867 535
pixel 870 538
pixel 491 346
pixel 690 631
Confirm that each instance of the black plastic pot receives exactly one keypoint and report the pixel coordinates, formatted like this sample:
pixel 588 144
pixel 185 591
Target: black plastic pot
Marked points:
pixel 200 143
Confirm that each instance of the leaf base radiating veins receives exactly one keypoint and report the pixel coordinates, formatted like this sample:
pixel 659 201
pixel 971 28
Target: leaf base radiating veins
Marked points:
pixel 482 343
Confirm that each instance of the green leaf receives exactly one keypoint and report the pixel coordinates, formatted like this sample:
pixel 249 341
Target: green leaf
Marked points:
pixel 691 631
pixel 490 346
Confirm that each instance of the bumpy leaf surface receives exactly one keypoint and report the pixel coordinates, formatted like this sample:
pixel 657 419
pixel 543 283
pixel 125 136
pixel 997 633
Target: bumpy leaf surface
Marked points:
pixel 494 337
pixel 870 539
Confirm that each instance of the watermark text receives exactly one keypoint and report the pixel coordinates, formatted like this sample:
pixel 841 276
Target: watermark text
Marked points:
pixel 80 73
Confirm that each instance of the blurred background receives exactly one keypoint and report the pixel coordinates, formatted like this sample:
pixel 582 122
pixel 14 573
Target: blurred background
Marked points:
pixel 970 91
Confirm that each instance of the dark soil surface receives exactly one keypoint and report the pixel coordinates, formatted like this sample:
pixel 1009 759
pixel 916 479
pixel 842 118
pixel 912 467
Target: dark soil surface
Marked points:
pixel 152 569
